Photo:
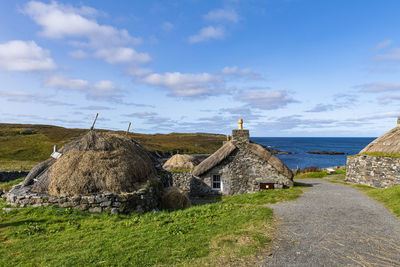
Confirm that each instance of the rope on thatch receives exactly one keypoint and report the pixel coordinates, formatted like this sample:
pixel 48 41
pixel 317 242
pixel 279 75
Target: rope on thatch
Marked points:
pixel 37 170
pixel 92 140
pixel 214 159
pixel 386 143
pixel 267 156
pixel 180 162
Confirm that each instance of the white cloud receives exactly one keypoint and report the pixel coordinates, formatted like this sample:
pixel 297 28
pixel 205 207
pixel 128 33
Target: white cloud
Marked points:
pixel 24 97
pixel 187 84
pixel 230 70
pixel 208 33
pixel 60 21
pixel 64 21
pixel 121 55
pixel 383 45
pixel 384 115
pixel 235 71
pixel 167 26
pixel 24 56
pixel 138 71
pixel 101 90
pixel 378 87
pixel 220 15
pixel 393 55
pixel 266 100
pixel 65 83
pixel 78 54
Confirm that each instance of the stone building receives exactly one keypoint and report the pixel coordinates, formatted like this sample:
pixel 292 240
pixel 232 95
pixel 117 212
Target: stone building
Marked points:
pixel 238 167
pixel 378 164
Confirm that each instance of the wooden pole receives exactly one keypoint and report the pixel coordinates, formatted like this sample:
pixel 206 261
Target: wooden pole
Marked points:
pixel 127 131
pixel 94 122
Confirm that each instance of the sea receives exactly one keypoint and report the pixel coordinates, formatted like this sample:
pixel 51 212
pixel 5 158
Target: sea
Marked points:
pixel 299 146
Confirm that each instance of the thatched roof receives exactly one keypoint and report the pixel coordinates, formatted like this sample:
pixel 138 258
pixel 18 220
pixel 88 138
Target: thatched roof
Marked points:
pixel 386 143
pixel 96 163
pixel 229 147
pixel 180 162
pixel 270 158
pixel 215 158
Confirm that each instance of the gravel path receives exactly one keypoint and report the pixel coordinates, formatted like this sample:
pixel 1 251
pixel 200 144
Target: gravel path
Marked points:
pixel 334 225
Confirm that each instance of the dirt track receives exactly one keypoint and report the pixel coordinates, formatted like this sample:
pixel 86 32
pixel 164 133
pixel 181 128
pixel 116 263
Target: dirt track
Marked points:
pixel 334 225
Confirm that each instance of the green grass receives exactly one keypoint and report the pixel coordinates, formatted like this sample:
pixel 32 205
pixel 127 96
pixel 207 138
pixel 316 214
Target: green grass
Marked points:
pixel 21 151
pixel 231 231
pixel 319 174
pixel 379 154
pixel 390 197
pixel 7 186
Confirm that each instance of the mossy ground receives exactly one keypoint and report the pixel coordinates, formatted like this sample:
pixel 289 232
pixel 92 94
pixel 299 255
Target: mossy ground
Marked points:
pixel 229 232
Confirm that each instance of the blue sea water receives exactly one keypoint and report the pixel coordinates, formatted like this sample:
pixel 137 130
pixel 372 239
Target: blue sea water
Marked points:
pixel 299 146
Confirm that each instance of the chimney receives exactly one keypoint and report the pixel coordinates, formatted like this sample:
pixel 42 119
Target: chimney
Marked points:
pixel 398 121
pixel 240 136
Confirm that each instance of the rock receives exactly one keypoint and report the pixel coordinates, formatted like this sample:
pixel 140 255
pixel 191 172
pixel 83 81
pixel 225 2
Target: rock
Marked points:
pixel 96 209
pixel 105 204
pixel 326 152
pixel 8 209
pixel 82 207
pixel 114 211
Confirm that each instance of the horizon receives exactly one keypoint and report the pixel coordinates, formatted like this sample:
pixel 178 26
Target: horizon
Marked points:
pixel 95 128
pixel 289 68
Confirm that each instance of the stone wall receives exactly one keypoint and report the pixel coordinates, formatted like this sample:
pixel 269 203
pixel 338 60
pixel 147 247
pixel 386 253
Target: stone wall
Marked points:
pixel 241 172
pixel 11 175
pixel 379 172
pixel 182 180
pixel 145 199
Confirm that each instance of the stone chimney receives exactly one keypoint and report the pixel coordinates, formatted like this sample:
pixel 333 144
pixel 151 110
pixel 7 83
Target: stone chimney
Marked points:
pixel 240 136
pixel 398 121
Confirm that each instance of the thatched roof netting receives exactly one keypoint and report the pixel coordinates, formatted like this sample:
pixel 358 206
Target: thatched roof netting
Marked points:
pixel 180 162
pixel 98 163
pixel 387 143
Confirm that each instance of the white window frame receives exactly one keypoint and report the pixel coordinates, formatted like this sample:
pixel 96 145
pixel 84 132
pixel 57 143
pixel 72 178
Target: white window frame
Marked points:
pixel 220 182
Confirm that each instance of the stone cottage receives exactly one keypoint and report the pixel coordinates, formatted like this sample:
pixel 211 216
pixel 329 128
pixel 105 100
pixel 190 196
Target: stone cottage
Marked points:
pixel 378 164
pixel 238 167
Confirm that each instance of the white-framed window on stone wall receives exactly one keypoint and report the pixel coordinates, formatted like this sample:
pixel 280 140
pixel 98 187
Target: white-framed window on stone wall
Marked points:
pixel 216 182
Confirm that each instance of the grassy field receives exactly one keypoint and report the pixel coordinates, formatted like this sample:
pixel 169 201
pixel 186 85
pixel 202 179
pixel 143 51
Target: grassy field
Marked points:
pixel 229 232
pixel 22 146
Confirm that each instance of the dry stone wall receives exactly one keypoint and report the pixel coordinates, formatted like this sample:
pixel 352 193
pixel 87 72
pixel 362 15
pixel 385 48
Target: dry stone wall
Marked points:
pixel 378 172
pixel 182 180
pixel 145 199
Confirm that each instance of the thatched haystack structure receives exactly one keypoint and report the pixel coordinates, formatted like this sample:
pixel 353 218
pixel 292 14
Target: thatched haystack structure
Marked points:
pixel 378 163
pixel 174 198
pixel 95 164
pixel 181 162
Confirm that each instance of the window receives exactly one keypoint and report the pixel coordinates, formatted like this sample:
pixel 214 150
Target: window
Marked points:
pixel 216 182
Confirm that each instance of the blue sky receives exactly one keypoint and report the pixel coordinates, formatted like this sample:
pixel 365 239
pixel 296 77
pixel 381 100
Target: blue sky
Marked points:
pixel 288 68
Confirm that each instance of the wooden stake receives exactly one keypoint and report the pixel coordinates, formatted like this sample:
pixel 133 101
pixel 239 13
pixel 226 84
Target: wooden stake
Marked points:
pixel 94 122
pixel 127 131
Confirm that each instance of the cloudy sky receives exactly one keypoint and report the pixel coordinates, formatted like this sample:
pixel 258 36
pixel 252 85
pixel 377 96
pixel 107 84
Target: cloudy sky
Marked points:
pixel 287 67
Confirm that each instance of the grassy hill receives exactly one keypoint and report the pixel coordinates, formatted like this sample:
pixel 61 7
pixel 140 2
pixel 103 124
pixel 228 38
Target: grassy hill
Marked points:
pixel 24 145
